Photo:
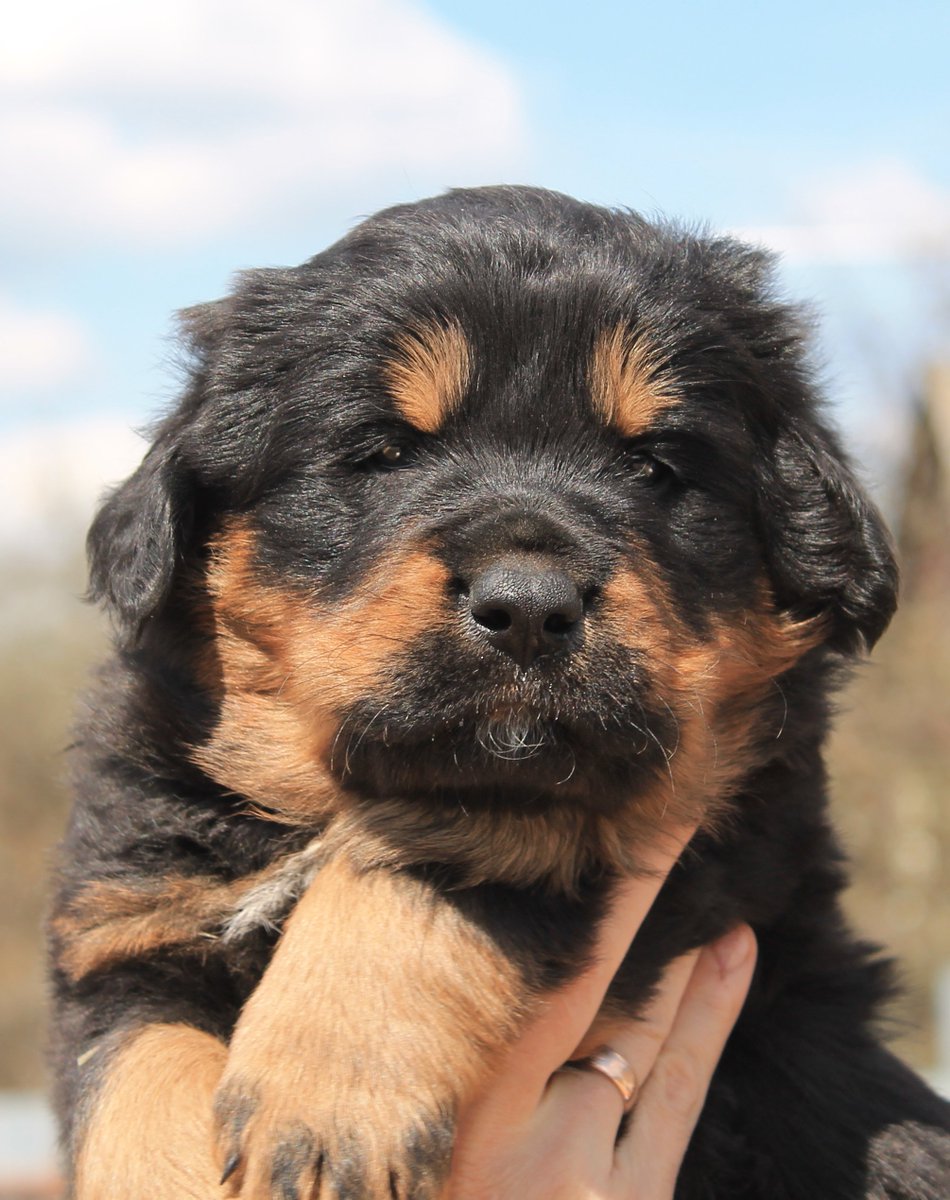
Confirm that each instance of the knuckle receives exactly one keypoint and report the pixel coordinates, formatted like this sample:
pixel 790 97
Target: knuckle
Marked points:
pixel 680 1084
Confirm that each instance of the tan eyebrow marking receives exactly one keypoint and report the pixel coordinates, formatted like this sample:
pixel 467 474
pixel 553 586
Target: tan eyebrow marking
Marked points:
pixel 428 376
pixel 627 389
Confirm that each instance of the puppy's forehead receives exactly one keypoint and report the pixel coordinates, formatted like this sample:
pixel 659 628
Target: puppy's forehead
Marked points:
pixel 432 367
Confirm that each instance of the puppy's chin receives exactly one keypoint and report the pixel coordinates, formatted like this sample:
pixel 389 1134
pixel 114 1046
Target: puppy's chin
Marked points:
pixel 513 762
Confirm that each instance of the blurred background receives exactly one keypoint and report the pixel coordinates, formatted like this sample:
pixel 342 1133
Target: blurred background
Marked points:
pixel 149 150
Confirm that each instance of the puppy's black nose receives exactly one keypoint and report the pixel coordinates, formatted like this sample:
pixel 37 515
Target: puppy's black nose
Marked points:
pixel 526 610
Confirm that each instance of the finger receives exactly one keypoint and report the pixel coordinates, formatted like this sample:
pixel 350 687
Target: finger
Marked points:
pixel 671 1099
pixel 583 1105
pixel 569 1012
pixel 630 903
pixel 573 1130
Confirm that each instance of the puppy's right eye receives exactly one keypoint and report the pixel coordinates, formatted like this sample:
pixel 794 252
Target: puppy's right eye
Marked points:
pixel 390 457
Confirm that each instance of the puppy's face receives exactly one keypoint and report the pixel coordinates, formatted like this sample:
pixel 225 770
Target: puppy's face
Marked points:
pixel 504 502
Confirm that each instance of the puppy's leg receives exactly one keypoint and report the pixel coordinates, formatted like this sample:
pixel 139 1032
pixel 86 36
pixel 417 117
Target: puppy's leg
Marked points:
pixel 149 1132
pixel 381 1008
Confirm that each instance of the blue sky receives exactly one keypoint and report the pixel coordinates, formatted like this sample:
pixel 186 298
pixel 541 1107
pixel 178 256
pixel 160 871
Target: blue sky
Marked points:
pixel 151 151
pixel 717 109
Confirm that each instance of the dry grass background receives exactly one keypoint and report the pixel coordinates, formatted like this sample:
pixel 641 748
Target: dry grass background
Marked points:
pixel 890 765
pixel 47 641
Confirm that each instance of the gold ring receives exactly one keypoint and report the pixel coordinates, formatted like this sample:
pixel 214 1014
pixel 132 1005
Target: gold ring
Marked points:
pixel 613 1066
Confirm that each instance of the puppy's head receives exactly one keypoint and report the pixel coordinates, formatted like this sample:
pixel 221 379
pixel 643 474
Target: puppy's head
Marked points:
pixel 505 503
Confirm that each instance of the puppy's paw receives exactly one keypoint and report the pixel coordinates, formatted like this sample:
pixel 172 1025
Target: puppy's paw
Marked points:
pixel 382 1009
pixel 292 1132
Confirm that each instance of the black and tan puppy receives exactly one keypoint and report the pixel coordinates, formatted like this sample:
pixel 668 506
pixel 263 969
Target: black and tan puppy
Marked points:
pixel 481 547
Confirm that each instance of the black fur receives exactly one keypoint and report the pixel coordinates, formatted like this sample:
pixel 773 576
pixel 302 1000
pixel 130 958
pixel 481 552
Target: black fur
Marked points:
pixel 281 425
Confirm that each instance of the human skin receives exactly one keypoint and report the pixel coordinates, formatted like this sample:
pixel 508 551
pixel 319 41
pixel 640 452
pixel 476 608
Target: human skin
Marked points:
pixel 540 1133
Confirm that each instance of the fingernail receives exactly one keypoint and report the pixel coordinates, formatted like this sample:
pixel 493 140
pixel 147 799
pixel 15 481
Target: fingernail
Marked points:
pixel 733 949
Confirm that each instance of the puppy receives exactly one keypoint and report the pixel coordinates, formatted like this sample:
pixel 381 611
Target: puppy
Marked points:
pixel 480 549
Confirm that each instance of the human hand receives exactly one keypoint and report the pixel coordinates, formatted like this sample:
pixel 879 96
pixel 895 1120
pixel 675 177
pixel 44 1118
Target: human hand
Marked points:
pixel 540 1133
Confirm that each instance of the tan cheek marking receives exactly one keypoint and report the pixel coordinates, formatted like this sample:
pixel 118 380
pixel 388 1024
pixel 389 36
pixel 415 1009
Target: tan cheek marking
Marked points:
pixel 714 687
pixel 284 669
pixel 150 1132
pixel 734 660
pixel 638 612
pixel 764 644
pixel 627 389
pixel 724 683
pixel 429 375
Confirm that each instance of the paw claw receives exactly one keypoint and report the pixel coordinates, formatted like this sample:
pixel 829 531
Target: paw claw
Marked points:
pixel 292 1144
pixel 230 1166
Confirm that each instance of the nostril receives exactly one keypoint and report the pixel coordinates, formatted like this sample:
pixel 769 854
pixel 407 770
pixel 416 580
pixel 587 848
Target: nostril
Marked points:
pixel 559 623
pixel 495 619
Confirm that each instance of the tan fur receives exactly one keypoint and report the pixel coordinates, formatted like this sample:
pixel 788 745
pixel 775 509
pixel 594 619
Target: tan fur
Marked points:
pixel 628 390
pixel 288 666
pixel 714 686
pixel 284 667
pixel 108 921
pixel 551 849
pixel 150 1132
pixel 381 1005
pixel 428 376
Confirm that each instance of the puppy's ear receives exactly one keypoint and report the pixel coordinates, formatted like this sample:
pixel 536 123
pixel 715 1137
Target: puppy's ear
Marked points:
pixel 143 528
pixel 137 539
pixel 828 546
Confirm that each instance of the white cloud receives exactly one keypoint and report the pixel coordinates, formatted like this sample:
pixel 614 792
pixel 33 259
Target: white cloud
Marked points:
pixel 164 122
pixel 40 350
pixel 879 212
pixel 51 478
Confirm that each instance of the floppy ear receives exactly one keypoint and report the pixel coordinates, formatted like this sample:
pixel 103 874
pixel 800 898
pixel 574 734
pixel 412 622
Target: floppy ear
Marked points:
pixel 137 539
pixel 143 528
pixel 828 546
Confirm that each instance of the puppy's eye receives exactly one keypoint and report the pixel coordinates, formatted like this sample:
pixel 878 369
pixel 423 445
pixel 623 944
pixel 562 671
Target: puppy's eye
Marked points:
pixel 390 457
pixel 647 469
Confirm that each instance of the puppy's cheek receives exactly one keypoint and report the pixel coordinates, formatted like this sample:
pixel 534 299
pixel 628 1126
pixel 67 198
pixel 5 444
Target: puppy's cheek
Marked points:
pixel 719 686
pixel 281 666
pixel 637 611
